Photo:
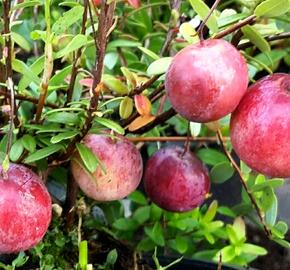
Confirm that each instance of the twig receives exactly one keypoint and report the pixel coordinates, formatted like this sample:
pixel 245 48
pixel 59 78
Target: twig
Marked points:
pixel 28 98
pixel 244 184
pixel 220 263
pixel 202 25
pixel 175 5
pixel 233 28
pixel 139 89
pixel 281 36
pixel 7 34
pixel 175 139
pixel 74 71
pixel 11 125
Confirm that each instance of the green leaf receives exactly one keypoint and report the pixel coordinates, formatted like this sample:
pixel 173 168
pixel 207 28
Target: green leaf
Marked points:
pixel 211 212
pixel 126 108
pixel 115 85
pixel 21 41
pixel 156 234
pixel 83 254
pixel 110 124
pixel 181 244
pixel 226 211
pixel 156 212
pixel 159 66
pixel 77 42
pixel 254 249
pixel 43 153
pixel 125 224
pixel 202 10
pixel 64 118
pixel 268 198
pixel 112 257
pixel 88 158
pixel 273 183
pixel 271 213
pixel 146 244
pixel 63 136
pixel 151 54
pixel 16 150
pixel 221 172
pixel 240 228
pixel 188 32
pixel 228 253
pixel 29 143
pixel 67 19
pixel 23 69
pixel 60 76
pixel 282 227
pixel 25 4
pixel 272 8
pixel 142 214
pixel 138 197
pixel 256 38
pixel 211 156
pixel 123 43
pixel 282 243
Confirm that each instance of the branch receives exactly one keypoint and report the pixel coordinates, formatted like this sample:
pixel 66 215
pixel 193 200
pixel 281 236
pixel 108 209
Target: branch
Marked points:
pixel 244 184
pixel 142 87
pixel 77 57
pixel 7 34
pixel 269 38
pixel 175 139
pixel 249 20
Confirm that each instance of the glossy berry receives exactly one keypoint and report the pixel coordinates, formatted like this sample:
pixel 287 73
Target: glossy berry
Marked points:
pixel 176 181
pixel 25 209
pixel 207 80
pixel 260 126
pixel 123 165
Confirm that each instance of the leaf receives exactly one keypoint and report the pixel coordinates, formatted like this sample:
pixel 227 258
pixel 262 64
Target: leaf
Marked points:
pixel 151 54
pixel 211 212
pixel 271 213
pixel 211 156
pixel 123 43
pixel 188 32
pixel 125 224
pixel 228 253
pixel 272 8
pixel 43 153
pixel 21 41
pixel 23 69
pixel 181 244
pixel 114 84
pixel 110 124
pixel 202 10
pixel 142 104
pixel 221 172
pixel 141 121
pixel 138 197
pixel 239 227
pixel 112 257
pixel 67 19
pixel 126 108
pixel 63 136
pixel 130 77
pixel 77 42
pixel 29 143
pixel 64 118
pixel 268 198
pixel 146 244
pixel 156 234
pixel 159 66
pixel 88 157
pixel 134 3
pixel 60 76
pixel 283 243
pixel 256 38
pixel 25 4
pixel 254 249
pixel 142 214
pixel 16 150
pixel 226 211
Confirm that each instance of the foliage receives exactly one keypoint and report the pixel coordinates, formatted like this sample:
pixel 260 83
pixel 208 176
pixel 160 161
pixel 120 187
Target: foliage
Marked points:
pixel 48 70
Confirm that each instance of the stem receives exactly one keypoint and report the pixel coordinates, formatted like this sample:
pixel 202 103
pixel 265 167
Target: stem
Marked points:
pixel 74 71
pixel 187 142
pixel 175 139
pixel 201 27
pixel 7 34
pixel 249 20
pixel 11 125
pixel 268 38
pixel 48 64
pixel 175 6
pixel 139 89
pixel 244 184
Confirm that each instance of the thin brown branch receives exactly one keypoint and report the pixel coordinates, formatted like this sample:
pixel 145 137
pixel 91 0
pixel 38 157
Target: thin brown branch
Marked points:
pixel 244 184
pixel 171 34
pixel 27 98
pixel 139 89
pixel 281 36
pixel 249 20
pixel 11 125
pixel 74 71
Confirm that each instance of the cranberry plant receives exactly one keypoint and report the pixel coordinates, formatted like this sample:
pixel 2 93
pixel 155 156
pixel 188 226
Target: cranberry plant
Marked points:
pixel 74 69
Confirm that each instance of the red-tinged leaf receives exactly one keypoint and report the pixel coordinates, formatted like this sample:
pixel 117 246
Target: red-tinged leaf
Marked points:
pixel 87 82
pixel 142 104
pixel 97 2
pixel 141 121
pixel 134 3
